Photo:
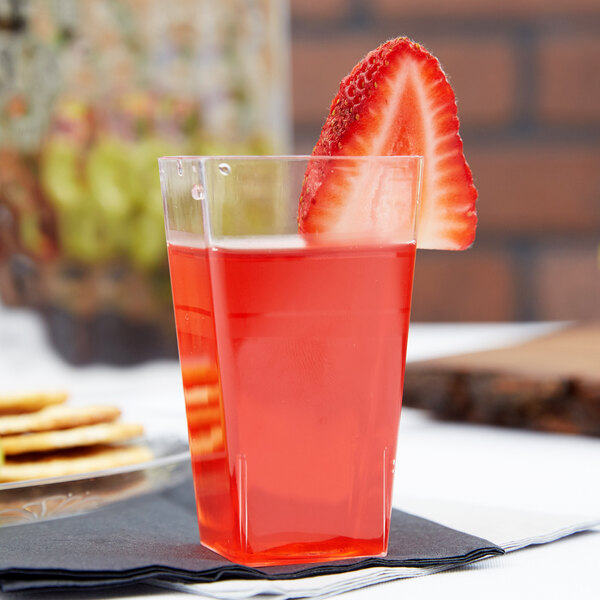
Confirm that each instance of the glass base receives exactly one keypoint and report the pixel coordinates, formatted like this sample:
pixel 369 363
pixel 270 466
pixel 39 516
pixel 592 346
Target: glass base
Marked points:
pixel 290 554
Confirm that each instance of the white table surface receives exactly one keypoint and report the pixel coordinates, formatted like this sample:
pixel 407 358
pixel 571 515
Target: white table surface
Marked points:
pixel 437 462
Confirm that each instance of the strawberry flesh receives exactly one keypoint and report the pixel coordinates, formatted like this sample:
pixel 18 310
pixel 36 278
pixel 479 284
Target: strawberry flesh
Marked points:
pixel 396 101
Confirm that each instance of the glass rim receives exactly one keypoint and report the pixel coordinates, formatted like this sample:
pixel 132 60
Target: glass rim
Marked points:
pixel 200 185
pixel 291 157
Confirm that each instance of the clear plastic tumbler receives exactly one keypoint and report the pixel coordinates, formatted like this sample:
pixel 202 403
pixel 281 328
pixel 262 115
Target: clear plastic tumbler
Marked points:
pixel 292 350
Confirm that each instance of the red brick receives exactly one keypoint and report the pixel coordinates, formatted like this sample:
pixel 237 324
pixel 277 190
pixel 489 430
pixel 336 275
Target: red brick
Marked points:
pixel 482 73
pixel 534 189
pixel 569 75
pixel 482 8
pixel 475 285
pixel 318 65
pixel 567 281
pixel 318 9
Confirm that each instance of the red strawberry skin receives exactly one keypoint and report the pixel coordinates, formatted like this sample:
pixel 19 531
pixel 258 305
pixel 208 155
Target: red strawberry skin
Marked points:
pixel 397 101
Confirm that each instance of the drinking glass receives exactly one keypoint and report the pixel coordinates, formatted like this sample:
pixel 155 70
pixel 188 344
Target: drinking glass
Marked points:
pixel 292 347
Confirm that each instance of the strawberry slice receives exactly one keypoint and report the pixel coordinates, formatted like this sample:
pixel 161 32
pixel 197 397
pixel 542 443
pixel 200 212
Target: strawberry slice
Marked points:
pixel 396 101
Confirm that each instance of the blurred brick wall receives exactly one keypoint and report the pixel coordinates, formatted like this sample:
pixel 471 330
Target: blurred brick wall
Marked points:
pixel 527 79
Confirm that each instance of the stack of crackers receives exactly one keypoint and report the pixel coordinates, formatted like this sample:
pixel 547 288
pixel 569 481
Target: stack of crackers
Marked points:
pixel 43 436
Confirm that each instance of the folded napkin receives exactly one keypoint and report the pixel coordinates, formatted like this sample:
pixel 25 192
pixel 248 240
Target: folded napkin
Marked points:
pixel 511 529
pixel 155 538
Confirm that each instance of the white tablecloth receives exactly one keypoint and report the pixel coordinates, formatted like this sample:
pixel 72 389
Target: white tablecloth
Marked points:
pixel 438 464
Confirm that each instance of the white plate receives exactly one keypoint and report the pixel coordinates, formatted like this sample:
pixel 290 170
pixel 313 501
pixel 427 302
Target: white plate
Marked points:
pixel 55 497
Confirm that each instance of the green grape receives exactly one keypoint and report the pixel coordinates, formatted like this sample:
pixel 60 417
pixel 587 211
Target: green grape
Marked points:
pixel 144 164
pixel 87 237
pixel 60 174
pixel 110 179
pixel 145 242
pixel 148 247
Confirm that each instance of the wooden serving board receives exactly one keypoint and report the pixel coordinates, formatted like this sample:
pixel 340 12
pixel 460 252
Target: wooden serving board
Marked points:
pixel 551 383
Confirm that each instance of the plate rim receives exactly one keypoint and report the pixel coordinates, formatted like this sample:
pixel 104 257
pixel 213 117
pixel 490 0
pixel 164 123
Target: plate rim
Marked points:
pixel 170 458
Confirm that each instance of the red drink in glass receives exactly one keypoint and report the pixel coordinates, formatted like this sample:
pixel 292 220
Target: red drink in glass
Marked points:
pixel 310 356
pixel 292 349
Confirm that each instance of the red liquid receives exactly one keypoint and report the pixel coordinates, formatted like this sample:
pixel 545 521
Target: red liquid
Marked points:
pixel 293 422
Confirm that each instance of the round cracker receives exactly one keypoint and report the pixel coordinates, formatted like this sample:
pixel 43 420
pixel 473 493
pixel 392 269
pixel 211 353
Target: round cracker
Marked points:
pixel 89 435
pixel 25 403
pixel 58 417
pixel 73 463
